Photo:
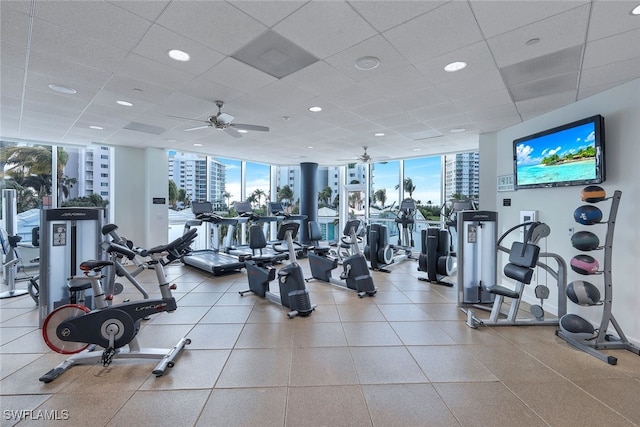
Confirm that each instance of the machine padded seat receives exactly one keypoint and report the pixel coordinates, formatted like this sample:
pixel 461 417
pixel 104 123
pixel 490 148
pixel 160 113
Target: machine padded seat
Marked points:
pixel 315 236
pixel 501 290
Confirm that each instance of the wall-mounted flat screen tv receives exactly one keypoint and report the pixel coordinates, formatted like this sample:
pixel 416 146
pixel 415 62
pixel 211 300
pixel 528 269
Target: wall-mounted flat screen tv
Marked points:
pixel 571 154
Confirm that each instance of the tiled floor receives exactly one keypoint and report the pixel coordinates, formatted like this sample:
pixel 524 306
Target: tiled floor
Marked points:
pixel 402 358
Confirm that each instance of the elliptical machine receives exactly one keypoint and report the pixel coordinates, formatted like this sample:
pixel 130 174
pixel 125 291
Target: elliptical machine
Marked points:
pixel 379 252
pixel 74 329
pixel 260 271
pixel 355 272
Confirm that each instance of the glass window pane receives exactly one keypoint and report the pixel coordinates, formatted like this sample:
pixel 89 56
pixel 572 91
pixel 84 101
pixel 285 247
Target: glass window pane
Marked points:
pixel 258 185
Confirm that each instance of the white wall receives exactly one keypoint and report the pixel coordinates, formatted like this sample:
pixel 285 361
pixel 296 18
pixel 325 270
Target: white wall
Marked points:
pixel 139 176
pixel 620 107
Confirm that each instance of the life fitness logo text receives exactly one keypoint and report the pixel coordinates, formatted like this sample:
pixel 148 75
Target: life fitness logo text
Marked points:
pixel 157 307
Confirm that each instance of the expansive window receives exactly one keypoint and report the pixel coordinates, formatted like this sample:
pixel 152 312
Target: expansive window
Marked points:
pixel 258 185
pixel 228 182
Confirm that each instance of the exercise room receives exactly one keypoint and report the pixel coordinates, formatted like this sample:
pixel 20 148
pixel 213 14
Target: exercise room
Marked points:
pixel 313 213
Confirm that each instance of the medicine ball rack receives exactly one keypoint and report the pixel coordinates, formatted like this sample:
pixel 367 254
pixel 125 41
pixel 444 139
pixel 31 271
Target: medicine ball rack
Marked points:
pixel 603 340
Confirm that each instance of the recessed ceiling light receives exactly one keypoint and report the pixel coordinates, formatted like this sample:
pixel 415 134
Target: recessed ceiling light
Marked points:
pixel 179 55
pixel 172 140
pixel 417 149
pixel 286 118
pixel 243 131
pixel 125 103
pixel 457 130
pixel 636 10
pixel 96 127
pixel 378 134
pixel 367 63
pixel 310 147
pixel 315 109
pixel 455 66
pixel 62 89
pixel 197 145
pixel 532 41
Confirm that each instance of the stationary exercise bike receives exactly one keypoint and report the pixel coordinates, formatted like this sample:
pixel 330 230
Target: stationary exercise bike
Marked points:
pixel 260 271
pixel 74 329
pixel 355 272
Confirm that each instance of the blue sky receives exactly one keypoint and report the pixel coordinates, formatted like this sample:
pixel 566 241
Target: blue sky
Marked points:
pixel 425 173
pixel 571 140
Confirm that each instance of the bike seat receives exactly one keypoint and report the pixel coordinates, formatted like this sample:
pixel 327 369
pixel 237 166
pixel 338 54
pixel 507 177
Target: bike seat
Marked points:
pixel 93 265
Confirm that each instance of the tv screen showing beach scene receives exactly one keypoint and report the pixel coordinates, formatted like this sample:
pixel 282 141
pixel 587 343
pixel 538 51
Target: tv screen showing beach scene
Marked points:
pixel 572 154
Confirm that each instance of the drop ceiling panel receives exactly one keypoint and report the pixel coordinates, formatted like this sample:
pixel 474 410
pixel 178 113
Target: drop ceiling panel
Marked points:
pixel 449 27
pixel 612 49
pixel 238 76
pixel 435 111
pixel 12 81
pixel 477 56
pixel 543 104
pixel 15 25
pixel 385 15
pixel 352 96
pixel 216 24
pixel 556 33
pixel 377 47
pixel 116 25
pixel 325 28
pixel 471 84
pixel 618 72
pixel 147 9
pixel 210 91
pixel 138 68
pixel 268 13
pixel 612 17
pixel 376 110
pixel 137 89
pixel 319 77
pixel 12 53
pixel 396 82
pixel 426 96
pixel 71 46
pixel 498 17
pixel 158 41
pixel 68 73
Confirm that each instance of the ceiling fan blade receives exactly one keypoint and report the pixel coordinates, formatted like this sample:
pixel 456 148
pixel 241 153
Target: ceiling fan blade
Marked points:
pixel 197 128
pixel 250 127
pixel 234 133
pixel 187 118
pixel 224 118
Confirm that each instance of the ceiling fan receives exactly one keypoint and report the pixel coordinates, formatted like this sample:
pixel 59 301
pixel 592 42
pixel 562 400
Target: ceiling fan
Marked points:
pixel 223 121
pixel 363 158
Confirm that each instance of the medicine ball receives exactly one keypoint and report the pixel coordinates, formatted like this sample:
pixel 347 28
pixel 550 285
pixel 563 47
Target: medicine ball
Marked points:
pixel 585 241
pixel 593 194
pixel 583 293
pixel 584 264
pixel 576 327
pixel 587 215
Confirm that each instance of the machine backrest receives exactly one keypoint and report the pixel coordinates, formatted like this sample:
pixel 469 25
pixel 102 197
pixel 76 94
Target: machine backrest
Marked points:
pixel 256 237
pixel 522 259
pixel 201 207
pixel 288 226
pixel 315 232
pixel 356 224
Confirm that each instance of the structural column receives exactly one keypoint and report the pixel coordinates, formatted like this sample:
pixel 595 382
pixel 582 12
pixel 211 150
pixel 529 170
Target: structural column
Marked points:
pixel 308 198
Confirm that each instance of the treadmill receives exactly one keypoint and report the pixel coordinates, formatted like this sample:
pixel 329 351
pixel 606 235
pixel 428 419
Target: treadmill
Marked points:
pixel 212 260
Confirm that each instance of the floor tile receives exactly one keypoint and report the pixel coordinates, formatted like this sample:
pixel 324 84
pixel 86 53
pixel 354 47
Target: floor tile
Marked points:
pixel 488 404
pixel 328 406
pixel 385 365
pixel 268 367
pixel 214 336
pixel 314 334
pixel 421 333
pixel 367 312
pixel 402 312
pixel 552 403
pixel 266 335
pixel 322 366
pixel 262 407
pixel 227 314
pixel 193 369
pixel 407 405
pixel 162 407
pixel 446 363
pixel 370 334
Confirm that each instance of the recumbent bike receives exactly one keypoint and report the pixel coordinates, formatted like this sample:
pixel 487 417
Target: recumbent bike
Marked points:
pixel 355 271
pixel 260 271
